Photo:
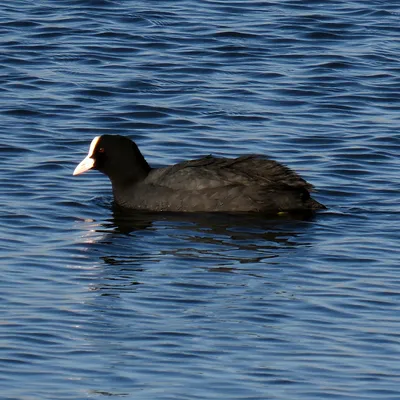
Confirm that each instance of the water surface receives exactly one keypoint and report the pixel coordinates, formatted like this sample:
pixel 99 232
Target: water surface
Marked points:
pixel 95 304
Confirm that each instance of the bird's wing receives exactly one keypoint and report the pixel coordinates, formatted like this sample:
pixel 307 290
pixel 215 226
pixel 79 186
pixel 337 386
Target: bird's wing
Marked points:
pixel 213 172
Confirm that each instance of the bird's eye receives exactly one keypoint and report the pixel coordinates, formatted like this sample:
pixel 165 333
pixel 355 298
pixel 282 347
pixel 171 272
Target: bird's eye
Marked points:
pixel 101 150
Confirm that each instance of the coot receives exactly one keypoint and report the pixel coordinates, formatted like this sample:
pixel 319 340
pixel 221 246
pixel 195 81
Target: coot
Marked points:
pixel 251 183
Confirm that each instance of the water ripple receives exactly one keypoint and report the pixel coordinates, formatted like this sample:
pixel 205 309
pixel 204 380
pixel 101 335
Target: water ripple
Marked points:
pixel 97 304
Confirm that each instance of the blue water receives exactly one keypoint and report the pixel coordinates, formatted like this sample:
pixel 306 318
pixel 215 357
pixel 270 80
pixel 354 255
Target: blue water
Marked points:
pixel 96 305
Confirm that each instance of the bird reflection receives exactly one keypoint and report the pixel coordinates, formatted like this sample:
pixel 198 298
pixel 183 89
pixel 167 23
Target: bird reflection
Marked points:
pixel 137 244
pixel 242 230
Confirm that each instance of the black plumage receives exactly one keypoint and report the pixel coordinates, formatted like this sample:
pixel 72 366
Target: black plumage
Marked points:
pixel 250 183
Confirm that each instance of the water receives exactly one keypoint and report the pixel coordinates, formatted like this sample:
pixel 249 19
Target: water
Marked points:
pixel 95 304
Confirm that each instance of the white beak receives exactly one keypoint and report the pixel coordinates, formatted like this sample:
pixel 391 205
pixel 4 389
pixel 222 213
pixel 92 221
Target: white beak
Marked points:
pixel 86 164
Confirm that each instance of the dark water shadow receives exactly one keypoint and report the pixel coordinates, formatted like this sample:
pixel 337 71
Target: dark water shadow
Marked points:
pixel 127 222
pixel 137 246
pixel 180 230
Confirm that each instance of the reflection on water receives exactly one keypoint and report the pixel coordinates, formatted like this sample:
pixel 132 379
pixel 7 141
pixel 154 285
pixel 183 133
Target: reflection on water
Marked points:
pixel 205 230
pixel 218 223
pixel 131 243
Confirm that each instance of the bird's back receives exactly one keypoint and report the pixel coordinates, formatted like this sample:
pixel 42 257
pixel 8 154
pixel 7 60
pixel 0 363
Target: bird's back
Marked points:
pixel 245 184
pixel 213 172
